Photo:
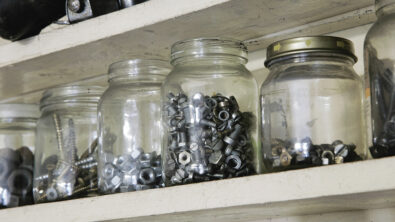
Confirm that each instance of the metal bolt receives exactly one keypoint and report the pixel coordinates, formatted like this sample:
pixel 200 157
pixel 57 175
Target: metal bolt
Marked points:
pixel 216 158
pixel 341 150
pixel 209 123
pixel 74 5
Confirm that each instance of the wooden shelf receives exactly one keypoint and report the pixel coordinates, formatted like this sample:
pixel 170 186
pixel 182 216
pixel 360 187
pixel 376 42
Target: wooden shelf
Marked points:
pixel 84 50
pixel 347 187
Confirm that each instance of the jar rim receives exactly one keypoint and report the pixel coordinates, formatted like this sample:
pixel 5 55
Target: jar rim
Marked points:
pixel 309 44
pixel 139 67
pixel 71 94
pixel 379 4
pixel 19 110
pixel 206 46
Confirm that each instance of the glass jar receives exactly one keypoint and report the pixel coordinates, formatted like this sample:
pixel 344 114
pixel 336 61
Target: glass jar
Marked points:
pixel 65 157
pixel 379 68
pixel 210 113
pixel 17 134
pixel 311 104
pixel 130 127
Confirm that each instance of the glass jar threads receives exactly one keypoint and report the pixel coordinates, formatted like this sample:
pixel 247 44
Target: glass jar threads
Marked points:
pixel 17 136
pixel 130 127
pixel 311 104
pixel 379 69
pixel 65 157
pixel 210 112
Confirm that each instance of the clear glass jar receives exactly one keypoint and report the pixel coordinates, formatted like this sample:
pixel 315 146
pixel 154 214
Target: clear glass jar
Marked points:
pixel 210 113
pixel 65 157
pixel 311 104
pixel 379 68
pixel 17 135
pixel 130 127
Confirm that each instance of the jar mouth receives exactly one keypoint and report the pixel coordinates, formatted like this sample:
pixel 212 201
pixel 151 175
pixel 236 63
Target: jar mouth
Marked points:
pixel 139 69
pixel 15 110
pixel 87 95
pixel 380 4
pixel 210 46
pixel 303 46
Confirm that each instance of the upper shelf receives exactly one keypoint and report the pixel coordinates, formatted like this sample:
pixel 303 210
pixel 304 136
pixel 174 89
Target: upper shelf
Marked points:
pixel 85 50
pixel 344 187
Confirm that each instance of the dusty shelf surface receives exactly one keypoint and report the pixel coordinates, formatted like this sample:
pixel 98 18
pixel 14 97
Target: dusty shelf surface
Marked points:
pixel 84 50
pixel 347 187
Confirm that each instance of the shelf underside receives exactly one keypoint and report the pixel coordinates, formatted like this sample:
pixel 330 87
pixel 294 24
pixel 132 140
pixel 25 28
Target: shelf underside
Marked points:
pixel 83 51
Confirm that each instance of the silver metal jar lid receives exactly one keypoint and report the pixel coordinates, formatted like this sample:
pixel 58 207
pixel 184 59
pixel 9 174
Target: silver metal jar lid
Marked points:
pixel 309 44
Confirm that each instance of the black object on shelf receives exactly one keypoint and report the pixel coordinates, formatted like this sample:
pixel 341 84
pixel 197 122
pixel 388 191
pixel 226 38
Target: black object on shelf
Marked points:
pixel 21 19
pixel 79 10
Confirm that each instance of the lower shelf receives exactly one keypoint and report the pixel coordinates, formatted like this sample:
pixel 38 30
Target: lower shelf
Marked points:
pixel 353 186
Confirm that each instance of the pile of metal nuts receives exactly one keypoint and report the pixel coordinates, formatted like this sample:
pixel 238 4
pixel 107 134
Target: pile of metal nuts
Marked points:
pixel 288 154
pixel 130 172
pixel 207 139
pixel 16 173
pixel 70 177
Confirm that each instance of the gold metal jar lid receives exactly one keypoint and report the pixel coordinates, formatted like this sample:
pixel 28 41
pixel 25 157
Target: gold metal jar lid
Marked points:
pixel 309 44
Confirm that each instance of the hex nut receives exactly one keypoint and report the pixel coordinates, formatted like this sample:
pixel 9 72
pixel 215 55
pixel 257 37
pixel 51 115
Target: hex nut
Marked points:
pixel 285 159
pixel 52 194
pixel 147 176
pixel 136 153
pixel 223 115
pixel 339 159
pixel 116 181
pixel 108 171
pixel 146 159
pixel 184 158
pixel 129 179
pixel 107 157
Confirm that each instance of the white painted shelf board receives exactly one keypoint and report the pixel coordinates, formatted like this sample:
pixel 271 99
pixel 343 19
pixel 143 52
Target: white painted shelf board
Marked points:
pixel 85 50
pixel 347 187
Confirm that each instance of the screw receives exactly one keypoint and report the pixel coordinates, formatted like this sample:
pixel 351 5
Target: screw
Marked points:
pixel 59 132
pixel 84 161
